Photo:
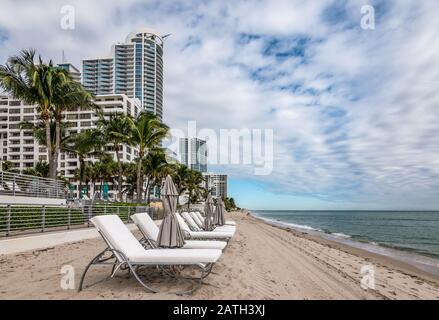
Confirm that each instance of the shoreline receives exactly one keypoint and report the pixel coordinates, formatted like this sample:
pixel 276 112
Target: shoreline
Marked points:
pixel 408 267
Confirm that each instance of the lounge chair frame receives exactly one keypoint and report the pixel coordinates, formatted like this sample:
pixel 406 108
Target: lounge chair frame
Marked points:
pixel 121 262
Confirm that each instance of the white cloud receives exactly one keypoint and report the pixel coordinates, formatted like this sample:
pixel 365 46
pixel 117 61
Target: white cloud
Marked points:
pixel 355 118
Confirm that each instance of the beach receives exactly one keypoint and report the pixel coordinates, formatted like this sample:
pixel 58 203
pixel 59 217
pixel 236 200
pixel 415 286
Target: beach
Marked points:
pixel 261 262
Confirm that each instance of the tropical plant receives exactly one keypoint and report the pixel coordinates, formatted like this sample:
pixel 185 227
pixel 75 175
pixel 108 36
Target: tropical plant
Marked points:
pixel 156 168
pixel 130 174
pixel 194 179
pixel 72 96
pixel 116 130
pixel 103 170
pixel 146 134
pixel 7 166
pixel 86 143
pixel 229 203
pixel 179 176
pixel 35 83
pixel 41 169
pixel 39 132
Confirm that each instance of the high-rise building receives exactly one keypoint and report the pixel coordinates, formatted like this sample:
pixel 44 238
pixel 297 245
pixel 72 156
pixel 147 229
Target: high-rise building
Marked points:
pixel 134 68
pixel 23 150
pixel 216 183
pixel 97 75
pixel 74 72
pixel 193 153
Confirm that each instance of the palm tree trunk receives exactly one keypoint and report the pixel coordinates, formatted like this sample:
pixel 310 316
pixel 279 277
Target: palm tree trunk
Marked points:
pixel 189 199
pixel 52 171
pixel 57 144
pixel 139 181
pixel 119 167
pixel 148 187
pixel 81 175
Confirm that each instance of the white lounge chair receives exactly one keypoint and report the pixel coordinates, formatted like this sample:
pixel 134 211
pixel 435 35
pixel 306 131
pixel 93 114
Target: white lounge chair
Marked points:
pixel 125 252
pixel 192 224
pixel 150 233
pixel 228 222
pixel 196 219
pixel 223 235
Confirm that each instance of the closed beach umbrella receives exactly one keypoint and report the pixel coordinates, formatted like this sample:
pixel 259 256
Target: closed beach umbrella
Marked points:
pixel 208 213
pixel 219 213
pixel 170 234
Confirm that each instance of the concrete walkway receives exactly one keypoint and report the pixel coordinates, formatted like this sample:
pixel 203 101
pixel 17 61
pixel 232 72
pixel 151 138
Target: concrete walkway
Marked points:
pixel 49 239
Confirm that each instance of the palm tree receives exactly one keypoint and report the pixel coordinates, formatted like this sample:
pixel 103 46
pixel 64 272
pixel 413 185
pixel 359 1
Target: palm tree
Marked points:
pixel 38 84
pixel 156 169
pixel 130 173
pixel 102 170
pixel 179 176
pixel 146 134
pixel 193 183
pixel 41 169
pixel 116 130
pixel 39 132
pixel 86 143
pixel 72 96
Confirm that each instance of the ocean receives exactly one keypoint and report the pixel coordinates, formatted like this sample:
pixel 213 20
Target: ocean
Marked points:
pixel 407 235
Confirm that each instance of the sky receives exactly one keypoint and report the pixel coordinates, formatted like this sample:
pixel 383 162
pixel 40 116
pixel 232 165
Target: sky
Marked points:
pixel 353 111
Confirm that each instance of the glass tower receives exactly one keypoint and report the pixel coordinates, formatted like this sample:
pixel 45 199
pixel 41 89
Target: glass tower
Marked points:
pixel 135 68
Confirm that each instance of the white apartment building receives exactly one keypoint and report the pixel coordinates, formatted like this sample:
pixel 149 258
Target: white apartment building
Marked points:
pixel 20 147
pixel 134 68
pixel 217 183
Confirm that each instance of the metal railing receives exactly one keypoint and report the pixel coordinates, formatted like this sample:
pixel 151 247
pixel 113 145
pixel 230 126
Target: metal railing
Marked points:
pixel 15 219
pixel 14 184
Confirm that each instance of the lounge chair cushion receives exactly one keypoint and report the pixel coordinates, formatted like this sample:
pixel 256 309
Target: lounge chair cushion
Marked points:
pixel 190 221
pixel 146 225
pixel 202 234
pixel 204 244
pixel 196 219
pixel 150 229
